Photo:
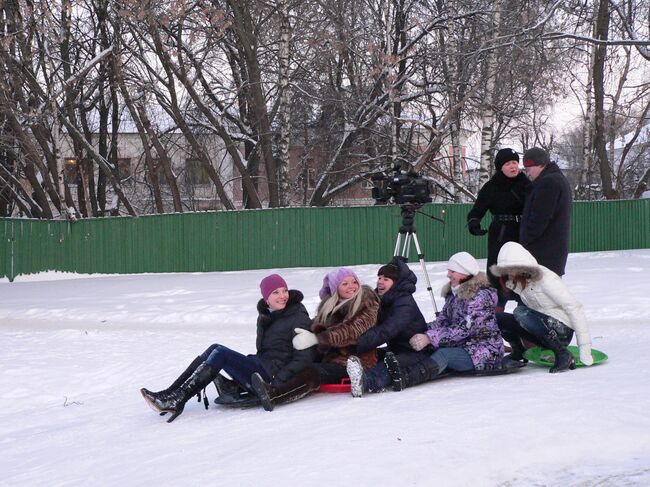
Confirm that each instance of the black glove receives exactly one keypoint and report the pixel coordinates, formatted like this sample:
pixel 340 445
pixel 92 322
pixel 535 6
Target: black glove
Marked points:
pixel 474 226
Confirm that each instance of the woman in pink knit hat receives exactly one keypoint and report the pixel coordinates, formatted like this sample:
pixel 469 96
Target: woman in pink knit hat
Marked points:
pixel 280 313
pixel 346 311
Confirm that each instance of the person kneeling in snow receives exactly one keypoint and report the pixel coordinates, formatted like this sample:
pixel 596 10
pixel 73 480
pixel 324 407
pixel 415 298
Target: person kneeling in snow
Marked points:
pixel 281 312
pixel 548 315
pixel 398 320
pixel 464 336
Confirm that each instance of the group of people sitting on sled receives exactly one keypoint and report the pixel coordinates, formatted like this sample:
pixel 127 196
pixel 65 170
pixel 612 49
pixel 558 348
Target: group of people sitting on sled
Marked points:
pixel 379 339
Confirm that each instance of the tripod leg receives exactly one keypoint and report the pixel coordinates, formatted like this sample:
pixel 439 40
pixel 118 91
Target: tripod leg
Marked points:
pixel 424 270
pixel 407 245
pixel 398 243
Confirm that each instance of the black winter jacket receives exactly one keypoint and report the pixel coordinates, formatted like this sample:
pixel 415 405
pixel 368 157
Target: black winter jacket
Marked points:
pixel 546 219
pixel 501 195
pixel 274 335
pixel 399 317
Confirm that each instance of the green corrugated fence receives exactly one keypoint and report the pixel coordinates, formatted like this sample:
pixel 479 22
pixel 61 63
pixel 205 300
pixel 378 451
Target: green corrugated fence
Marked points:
pixel 278 238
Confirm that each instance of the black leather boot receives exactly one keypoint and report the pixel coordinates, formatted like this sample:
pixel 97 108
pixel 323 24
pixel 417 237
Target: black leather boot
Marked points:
pixel 420 373
pixel 410 376
pixel 513 333
pixel 297 387
pixel 174 401
pixel 394 370
pixel 149 396
pixel 563 359
pixel 517 348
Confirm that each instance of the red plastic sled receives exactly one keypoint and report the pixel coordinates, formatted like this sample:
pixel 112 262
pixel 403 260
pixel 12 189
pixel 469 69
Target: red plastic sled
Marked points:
pixel 344 386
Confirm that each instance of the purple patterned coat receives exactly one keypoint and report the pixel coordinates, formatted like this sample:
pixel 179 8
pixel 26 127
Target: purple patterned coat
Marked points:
pixel 467 320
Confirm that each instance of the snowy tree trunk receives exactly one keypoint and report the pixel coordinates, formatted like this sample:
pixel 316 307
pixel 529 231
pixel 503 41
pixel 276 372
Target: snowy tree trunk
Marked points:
pixel 284 109
pixel 588 131
pixel 601 33
pixel 487 130
pixel 456 168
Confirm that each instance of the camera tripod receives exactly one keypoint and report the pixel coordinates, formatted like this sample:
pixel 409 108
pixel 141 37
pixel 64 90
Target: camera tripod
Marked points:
pixel 407 234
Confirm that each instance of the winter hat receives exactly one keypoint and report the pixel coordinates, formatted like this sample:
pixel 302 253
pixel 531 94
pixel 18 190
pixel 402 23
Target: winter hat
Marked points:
pixel 391 271
pixel 464 263
pixel 270 284
pixel 503 156
pixel 332 280
pixel 536 157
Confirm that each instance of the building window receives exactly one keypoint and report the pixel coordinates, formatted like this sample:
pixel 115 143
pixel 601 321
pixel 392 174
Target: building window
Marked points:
pixel 196 172
pixel 71 170
pixel 124 168
pixel 311 177
pixel 162 180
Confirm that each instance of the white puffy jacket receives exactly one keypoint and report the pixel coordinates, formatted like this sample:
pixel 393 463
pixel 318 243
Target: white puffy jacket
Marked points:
pixel 544 292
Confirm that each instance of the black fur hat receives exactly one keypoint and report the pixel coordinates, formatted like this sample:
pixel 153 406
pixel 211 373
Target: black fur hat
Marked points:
pixel 503 156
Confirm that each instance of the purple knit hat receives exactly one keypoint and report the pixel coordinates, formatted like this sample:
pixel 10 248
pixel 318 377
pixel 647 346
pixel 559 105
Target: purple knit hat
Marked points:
pixel 270 284
pixel 332 280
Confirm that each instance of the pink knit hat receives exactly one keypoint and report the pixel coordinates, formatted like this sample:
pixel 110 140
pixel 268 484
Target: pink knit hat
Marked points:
pixel 270 284
pixel 332 280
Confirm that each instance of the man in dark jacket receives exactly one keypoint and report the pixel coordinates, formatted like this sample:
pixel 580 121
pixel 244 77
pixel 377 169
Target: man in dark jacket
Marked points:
pixel 398 320
pixel 546 218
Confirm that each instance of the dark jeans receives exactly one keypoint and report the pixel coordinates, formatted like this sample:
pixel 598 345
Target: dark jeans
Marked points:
pixel 238 366
pixel 532 326
pixel 540 325
pixel 453 358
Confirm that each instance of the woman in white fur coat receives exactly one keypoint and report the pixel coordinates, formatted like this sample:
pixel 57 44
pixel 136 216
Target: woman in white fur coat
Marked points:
pixel 548 314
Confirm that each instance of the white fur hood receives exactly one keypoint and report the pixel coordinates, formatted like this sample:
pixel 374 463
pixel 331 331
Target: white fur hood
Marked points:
pixel 544 292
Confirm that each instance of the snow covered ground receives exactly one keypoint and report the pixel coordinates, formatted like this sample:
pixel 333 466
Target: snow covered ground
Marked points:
pixel 75 351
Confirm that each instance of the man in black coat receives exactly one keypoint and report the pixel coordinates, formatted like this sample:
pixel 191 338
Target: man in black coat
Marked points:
pixel 546 218
pixel 398 320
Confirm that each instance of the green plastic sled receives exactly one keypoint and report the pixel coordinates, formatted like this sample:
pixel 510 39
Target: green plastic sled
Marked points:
pixel 546 358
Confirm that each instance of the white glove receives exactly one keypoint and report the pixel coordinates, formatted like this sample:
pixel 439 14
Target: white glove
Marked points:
pixel 303 339
pixel 585 354
pixel 419 341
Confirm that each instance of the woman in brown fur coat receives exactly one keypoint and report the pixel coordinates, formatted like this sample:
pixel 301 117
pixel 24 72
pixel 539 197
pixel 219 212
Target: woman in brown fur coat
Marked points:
pixel 346 311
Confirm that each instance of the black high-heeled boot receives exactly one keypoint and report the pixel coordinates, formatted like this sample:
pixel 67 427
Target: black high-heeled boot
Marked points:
pixel 149 396
pixel 174 401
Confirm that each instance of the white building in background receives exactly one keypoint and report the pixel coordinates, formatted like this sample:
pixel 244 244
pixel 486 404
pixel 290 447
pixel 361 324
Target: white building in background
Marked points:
pixel 196 189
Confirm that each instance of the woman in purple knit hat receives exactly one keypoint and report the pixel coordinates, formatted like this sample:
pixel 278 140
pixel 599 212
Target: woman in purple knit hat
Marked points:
pixel 280 313
pixel 346 311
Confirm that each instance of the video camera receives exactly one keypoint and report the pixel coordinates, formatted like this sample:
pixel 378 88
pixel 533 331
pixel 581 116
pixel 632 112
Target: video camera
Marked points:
pixel 403 187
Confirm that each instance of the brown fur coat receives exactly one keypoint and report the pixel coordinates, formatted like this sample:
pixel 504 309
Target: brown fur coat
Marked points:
pixel 337 337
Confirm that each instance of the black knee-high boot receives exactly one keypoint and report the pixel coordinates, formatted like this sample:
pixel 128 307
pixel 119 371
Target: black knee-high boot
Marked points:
pixel 513 333
pixel 563 359
pixel 297 387
pixel 403 377
pixel 174 401
pixel 150 395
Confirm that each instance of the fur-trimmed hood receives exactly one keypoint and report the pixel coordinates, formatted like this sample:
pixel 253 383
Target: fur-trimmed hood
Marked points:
pixel 513 259
pixel 469 288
